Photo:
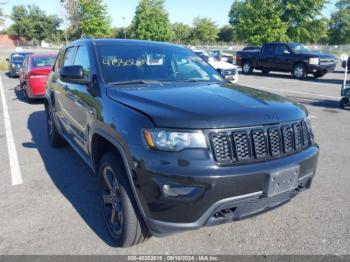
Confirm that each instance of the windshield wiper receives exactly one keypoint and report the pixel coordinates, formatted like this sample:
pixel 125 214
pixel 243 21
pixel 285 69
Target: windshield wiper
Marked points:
pixel 132 82
pixel 196 81
pixel 136 82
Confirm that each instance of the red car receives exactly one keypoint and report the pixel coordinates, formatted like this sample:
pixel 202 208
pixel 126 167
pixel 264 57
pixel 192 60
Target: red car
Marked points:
pixel 34 74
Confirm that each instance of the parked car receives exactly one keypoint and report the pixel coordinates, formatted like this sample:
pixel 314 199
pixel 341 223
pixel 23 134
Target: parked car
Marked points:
pixel 174 145
pixel 251 48
pixel 223 56
pixel 287 57
pixel 227 70
pixel 15 61
pixel 34 74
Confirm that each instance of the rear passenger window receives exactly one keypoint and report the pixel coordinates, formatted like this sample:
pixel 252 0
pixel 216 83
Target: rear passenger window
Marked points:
pixel 82 59
pixel 269 49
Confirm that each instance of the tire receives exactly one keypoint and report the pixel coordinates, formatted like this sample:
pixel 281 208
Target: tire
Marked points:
pixel 247 68
pixel 265 72
pixel 127 228
pixel 344 102
pixel 55 139
pixel 299 71
pixel 319 74
pixel 11 74
pixel 25 94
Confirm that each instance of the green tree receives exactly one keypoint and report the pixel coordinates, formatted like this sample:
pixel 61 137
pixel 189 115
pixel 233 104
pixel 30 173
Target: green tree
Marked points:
pixel 121 32
pixel 32 22
pixel 2 16
pixel 181 33
pixel 72 14
pixel 258 21
pixel 226 34
pixel 339 26
pixel 94 19
pixel 303 18
pixel 204 30
pixel 151 21
pixel 19 16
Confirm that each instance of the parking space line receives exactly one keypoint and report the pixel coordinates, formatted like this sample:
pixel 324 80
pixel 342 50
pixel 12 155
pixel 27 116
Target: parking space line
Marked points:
pixel 294 92
pixel 16 176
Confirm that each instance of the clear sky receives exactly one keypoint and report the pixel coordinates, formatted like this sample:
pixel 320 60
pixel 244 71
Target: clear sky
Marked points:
pixel 179 10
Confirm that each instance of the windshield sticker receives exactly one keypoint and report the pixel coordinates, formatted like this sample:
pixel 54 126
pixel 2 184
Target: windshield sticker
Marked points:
pixel 150 60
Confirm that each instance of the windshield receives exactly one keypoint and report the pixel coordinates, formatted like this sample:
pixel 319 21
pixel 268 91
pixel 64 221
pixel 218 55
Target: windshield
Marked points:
pixel 299 48
pixel 17 59
pixel 121 63
pixel 44 61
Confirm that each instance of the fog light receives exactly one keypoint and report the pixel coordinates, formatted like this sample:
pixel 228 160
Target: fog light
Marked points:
pixel 177 191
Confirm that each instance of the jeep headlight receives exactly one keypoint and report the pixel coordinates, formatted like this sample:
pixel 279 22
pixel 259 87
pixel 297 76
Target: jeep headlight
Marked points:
pixel 168 140
pixel 314 61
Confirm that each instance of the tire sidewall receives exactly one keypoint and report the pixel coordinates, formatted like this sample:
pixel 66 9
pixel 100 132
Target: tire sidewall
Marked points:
pixel 301 66
pixel 247 67
pixel 55 138
pixel 118 238
pixel 130 213
pixel 25 93
pixel 344 102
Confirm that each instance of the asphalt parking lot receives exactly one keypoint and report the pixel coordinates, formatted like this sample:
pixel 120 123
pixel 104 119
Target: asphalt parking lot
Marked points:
pixel 51 206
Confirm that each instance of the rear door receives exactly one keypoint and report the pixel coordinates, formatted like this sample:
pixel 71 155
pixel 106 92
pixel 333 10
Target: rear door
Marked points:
pixel 61 90
pixel 266 59
pixel 283 57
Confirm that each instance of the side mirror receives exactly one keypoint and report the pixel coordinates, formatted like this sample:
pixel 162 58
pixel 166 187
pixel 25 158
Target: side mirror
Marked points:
pixel 220 72
pixel 73 74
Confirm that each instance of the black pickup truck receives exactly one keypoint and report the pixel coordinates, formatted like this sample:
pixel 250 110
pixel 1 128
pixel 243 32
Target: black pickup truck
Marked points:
pixel 286 57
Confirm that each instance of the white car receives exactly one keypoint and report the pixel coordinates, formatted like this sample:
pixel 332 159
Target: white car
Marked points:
pixel 229 71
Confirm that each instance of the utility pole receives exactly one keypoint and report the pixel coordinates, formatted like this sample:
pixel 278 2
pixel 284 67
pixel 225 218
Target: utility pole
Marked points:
pixel 62 12
pixel 124 29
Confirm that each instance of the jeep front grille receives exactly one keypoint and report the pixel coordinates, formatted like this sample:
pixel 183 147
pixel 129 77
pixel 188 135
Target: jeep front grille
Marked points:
pixel 255 144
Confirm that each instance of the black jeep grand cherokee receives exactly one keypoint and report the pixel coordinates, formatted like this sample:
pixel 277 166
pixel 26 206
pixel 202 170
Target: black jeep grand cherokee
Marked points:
pixel 175 146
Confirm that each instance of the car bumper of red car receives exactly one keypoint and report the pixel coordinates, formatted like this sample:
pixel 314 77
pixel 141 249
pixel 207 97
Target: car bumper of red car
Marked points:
pixel 36 87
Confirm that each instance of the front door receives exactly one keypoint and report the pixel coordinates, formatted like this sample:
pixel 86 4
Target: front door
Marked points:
pixel 283 58
pixel 80 102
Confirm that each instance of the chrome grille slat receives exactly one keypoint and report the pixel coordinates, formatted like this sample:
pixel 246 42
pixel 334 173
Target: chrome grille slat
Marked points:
pixel 254 144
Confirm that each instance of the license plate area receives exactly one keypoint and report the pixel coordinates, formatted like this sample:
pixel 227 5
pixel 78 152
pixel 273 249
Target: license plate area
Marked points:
pixel 281 181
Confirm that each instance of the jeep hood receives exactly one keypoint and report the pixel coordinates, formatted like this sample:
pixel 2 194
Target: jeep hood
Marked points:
pixel 203 105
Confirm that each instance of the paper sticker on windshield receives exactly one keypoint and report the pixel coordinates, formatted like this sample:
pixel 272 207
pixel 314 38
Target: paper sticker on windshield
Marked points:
pixel 148 59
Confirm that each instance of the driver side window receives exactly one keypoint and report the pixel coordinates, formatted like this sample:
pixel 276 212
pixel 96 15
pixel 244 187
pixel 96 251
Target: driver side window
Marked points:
pixel 282 50
pixel 82 59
